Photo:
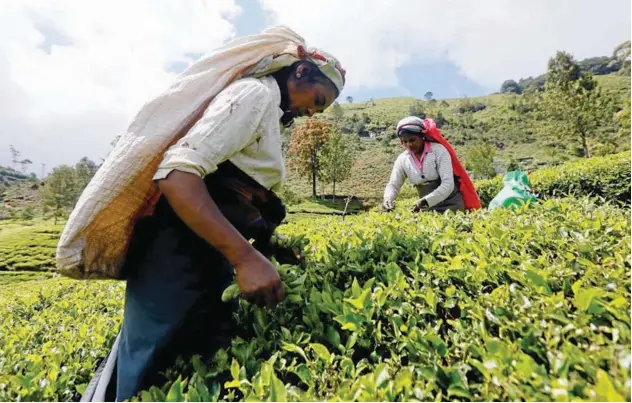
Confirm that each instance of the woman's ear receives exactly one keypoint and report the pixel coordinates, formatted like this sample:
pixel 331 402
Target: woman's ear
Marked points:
pixel 302 70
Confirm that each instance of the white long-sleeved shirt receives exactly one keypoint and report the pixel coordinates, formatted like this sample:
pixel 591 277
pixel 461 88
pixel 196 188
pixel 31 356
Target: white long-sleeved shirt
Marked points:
pixel 437 164
pixel 242 125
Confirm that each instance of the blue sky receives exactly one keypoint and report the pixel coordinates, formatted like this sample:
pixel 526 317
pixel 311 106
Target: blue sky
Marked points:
pixel 74 73
pixel 441 77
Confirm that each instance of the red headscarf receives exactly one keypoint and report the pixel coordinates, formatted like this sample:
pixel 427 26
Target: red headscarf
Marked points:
pixel 429 128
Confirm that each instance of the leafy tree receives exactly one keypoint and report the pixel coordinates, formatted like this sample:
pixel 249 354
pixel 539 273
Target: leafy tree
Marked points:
pixel 532 84
pixel 84 171
pixel 621 55
pixel 573 103
pixel 15 155
pixel 622 51
pixel 60 190
pixel 428 95
pixel 306 146
pixel 25 163
pixel 337 159
pixel 479 160
pixel 510 86
pixel 599 65
pixel 563 70
pixel 350 99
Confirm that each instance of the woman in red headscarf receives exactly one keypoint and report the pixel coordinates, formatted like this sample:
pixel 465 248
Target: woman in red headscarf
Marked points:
pixel 432 166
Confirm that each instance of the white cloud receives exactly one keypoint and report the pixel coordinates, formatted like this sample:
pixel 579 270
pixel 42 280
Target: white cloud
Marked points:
pixel 73 73
pixel 489 40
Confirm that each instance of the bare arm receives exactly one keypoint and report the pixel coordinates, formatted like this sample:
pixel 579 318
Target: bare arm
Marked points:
pixel 191 201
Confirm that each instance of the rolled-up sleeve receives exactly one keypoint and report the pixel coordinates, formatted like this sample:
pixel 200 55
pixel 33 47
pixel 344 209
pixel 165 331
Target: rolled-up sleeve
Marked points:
pixel 228 125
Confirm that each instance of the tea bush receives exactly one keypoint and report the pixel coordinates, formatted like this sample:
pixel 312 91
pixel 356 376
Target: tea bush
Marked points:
pixel 53 334
pixel 532 304
pixel 606 177
pixel 29 247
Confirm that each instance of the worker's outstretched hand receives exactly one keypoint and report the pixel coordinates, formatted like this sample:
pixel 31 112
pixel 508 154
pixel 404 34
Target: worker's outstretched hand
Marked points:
pixel 259 280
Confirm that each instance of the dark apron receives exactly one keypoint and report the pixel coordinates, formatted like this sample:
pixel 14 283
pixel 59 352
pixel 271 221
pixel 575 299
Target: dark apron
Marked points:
pixel 454 202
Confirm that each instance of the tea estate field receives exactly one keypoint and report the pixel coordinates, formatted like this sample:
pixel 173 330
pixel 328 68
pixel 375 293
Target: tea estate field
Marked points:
pixel 510 305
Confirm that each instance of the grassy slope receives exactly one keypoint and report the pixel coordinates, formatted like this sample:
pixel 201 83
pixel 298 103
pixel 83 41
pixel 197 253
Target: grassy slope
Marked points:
pixel 523 142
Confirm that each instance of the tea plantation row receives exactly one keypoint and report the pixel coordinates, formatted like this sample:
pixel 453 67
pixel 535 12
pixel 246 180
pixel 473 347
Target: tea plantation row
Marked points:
pixel 33 247
pixel 605 177
pixel 531 304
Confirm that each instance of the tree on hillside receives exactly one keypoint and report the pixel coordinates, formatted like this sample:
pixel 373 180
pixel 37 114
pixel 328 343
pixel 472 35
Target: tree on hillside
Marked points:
pixel 510 86
pixel 60 190
pixel 306 146
pixel 563 70
pixel 350 99
pixel 337 111
pixel 572 102
pixel 479 160
pixel 15 156
pixel 621 55
pixel 84 171
pixel 25 163
pixel 531 84
pixel 428 95
pixel 337 159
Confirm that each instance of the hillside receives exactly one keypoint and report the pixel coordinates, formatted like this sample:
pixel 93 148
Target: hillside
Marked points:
pixel 503 120
pixel 17 192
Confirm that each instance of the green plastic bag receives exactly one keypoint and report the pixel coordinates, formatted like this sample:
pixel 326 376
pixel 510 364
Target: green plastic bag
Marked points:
pixel 516 191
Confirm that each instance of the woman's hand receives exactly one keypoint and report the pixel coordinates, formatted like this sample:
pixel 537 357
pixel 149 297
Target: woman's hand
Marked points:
pixel 256 276
pixel 421 205
pixel 258 279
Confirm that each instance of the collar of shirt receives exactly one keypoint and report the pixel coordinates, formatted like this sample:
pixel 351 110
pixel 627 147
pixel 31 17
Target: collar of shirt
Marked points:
pixel 271 83
pixel 419 162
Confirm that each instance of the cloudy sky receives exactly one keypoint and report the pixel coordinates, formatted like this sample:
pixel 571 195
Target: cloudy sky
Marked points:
pixel 74 72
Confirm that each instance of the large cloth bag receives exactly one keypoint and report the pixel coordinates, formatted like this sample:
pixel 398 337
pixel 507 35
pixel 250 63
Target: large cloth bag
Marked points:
pixel 96 237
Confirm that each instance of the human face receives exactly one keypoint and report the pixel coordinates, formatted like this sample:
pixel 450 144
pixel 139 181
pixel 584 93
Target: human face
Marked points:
pixel 412 142
pixel 308 99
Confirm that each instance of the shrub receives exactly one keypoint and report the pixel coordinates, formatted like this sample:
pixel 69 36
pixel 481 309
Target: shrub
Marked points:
pixel 605 177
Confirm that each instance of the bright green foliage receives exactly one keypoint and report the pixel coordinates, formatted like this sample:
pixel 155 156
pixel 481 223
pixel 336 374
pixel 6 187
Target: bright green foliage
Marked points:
pixel 531 304
pixel 574 106
pixel 605 177
pixel 479 160
pixel 29 248
pixel 337 158
pixel 52 335
pixel 11 277
pixel 60 191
